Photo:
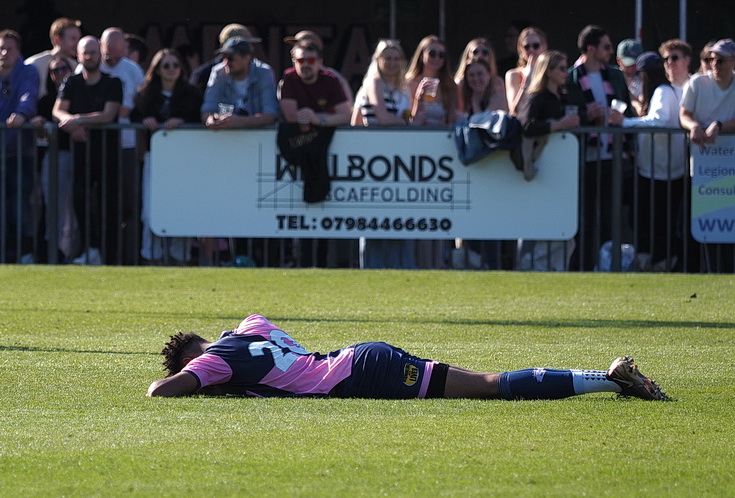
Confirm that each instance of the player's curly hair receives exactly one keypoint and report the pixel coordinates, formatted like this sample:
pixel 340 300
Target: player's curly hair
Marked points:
pixel 175 350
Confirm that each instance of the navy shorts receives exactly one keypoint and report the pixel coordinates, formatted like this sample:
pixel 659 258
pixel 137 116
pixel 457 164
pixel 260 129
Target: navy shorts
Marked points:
pixel 382 371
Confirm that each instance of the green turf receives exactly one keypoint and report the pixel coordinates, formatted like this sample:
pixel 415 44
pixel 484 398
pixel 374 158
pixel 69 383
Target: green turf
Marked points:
pixel 78 349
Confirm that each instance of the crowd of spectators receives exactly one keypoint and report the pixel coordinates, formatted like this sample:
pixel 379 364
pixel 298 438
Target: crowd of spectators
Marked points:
pixel 102 186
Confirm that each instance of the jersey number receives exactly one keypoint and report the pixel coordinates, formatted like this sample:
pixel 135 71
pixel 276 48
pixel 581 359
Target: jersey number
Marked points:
pixel 284 350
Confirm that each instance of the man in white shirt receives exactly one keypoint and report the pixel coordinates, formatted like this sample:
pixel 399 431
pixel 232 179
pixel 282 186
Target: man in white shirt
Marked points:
pixel 115 63
pixel 708 103
pixel 677 56
pixel 65 34
pixel 708 109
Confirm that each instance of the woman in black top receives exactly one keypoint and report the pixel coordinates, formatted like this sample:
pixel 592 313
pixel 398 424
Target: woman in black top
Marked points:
pixel 166 100
pixel 542 112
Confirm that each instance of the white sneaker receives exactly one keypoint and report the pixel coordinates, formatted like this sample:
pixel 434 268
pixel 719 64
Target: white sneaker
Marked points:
pixel 91 256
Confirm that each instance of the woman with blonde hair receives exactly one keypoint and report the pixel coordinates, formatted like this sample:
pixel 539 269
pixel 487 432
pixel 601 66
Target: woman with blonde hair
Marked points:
pixel 531 44
pixel 433 103
pixel 542 112
pixel 382 101
pixel 430 84
pixel 383 97
pixel 479 49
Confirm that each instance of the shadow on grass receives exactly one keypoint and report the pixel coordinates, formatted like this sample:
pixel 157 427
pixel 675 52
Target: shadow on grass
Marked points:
pixel 576 323
pixel 67 350
pixel 590 323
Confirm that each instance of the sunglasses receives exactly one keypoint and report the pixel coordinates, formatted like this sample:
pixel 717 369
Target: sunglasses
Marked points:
pixel 671 58
pixel 174 65
pixel 60 69
pixel 529 46
pixel 308 60
pixel 433 54
pixel 716 60
pixel 481 51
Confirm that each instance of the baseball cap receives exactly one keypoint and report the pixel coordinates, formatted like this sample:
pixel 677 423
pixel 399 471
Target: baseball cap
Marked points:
pixel 236 29
pixel 628 50
pixel 647 61
pixel 725 48
pixel 235 45
pixel 305 36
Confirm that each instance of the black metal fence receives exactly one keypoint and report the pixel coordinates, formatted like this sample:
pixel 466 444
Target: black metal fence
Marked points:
pixel 83 205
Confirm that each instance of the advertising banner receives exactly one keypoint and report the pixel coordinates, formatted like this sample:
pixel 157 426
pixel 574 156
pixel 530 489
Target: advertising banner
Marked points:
pixel 386 184
pixel 713 191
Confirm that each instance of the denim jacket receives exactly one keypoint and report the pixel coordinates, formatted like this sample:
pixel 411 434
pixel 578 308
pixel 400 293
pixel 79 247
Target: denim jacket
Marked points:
pixel 261 85
pixel 20 96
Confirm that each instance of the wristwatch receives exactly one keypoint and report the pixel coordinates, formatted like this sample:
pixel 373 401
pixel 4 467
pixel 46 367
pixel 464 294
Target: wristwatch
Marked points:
pixel 322 121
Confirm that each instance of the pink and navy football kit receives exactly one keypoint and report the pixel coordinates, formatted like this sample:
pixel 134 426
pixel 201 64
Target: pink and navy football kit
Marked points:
pixel 259 359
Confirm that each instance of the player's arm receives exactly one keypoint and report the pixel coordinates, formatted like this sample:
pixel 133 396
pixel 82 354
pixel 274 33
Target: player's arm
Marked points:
pixel 179 384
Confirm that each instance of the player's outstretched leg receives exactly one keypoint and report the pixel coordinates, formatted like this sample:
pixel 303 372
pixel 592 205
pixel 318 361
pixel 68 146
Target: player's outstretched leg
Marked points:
pixel 623 377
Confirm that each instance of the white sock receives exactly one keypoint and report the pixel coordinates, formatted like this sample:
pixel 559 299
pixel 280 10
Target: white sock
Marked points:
pixel 593 381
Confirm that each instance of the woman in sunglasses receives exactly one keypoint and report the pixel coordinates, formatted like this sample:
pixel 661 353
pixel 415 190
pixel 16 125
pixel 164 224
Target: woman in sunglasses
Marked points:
pixel 433 103
pixel 430 84
pixel 531 44
pixel 167 101
pixel 492 94
pixel 542 112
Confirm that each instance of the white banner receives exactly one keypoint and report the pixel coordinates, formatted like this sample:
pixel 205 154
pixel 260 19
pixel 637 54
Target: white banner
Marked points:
pixel 387 184
pixel 713 191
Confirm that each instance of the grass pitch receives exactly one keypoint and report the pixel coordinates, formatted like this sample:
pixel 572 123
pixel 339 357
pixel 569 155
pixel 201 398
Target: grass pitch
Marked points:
pixel 78 349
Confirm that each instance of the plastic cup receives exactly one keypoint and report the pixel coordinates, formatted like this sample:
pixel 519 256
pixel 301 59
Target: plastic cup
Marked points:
pixel 431 87
pixel 571 110
pixel 619 105
pixel 225 109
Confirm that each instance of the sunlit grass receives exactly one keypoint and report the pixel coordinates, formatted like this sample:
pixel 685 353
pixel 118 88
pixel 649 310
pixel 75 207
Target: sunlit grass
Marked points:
pixel 78 348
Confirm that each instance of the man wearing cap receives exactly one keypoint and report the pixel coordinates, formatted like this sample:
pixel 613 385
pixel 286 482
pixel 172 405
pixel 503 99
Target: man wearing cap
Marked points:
pixel 708 104
pixel 306 37
pixel 200 76
pixel 708 109
pixel 628 50
pixel 241 92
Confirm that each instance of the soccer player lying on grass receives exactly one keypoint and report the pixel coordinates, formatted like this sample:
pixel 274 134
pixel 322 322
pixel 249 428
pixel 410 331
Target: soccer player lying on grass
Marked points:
pixel 259 359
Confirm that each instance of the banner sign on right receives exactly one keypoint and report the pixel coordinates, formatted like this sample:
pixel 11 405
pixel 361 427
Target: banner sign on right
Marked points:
pixel 713 191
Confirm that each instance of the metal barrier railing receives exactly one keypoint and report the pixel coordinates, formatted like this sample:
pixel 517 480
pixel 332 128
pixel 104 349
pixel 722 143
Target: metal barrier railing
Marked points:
pixel 617 206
